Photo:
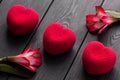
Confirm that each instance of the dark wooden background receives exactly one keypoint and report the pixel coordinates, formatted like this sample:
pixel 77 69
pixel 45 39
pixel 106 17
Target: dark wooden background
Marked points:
pixel 72 14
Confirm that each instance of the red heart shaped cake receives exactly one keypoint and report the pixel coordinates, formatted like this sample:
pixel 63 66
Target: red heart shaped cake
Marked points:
pixel 21 20
pixel 57 39
pixel 98 59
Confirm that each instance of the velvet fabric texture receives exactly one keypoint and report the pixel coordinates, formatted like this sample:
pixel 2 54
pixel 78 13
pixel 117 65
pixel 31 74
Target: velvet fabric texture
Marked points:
pixel 21 20
pixel 98 59
pixel 57 39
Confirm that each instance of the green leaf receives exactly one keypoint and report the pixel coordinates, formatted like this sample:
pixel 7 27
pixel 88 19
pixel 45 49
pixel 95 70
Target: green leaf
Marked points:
pixel 8 69
pixel 113 13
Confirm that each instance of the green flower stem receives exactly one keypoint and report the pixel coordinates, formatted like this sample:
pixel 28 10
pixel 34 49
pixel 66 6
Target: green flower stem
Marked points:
pixel 8 69
pixel 112 13
pixel 3 59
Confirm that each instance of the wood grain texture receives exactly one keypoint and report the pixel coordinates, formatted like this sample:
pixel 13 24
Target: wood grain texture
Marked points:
pixel 111 38
pixel 70 13
pixel 77 71
pixel 9 44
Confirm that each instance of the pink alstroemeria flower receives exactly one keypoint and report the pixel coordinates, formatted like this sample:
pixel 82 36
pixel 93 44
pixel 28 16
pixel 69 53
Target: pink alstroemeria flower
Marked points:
pixel 99 21
pixel 30 59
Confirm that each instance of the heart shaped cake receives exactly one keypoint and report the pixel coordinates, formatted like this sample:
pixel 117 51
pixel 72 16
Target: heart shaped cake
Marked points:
pixel 98 59
pixel 22 20
pixel 57 39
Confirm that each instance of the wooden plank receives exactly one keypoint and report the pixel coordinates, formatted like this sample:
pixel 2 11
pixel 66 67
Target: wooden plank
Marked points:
pixel 77 71
pixel 0 1
pixel 9 44
pixel 71 13
pixel 111 38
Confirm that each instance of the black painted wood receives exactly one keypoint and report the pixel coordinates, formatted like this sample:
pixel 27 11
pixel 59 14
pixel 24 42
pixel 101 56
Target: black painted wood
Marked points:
pixel 0 1
pixel 111 38
pixel 70 13
pixel 77 71
pixel 9 44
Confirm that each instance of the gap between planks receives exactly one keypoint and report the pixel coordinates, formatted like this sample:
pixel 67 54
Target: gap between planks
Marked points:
pixel 79 48
pixel 32 34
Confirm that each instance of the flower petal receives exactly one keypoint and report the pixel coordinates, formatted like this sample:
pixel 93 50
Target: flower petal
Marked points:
pixel 94 27
pixel 35 52
pixel 34 57
pixel 33 68
pixel 22 61
pixel 26 50
pixel 91 18
pixel 108 20
pixel 26 63
pixel 102 29
pixel 100 11
pixel 36 62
